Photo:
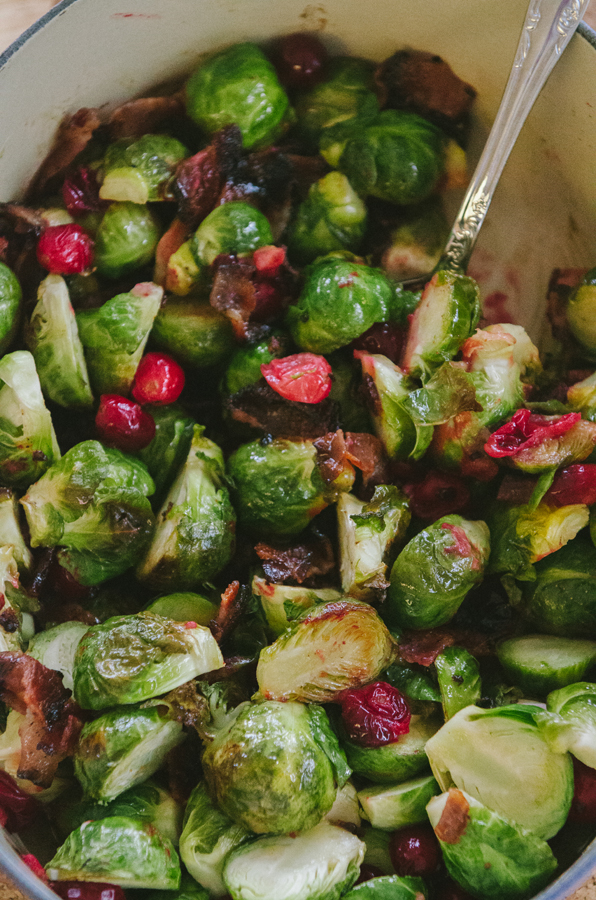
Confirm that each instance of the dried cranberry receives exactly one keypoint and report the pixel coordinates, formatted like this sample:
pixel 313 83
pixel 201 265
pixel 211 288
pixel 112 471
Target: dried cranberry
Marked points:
pixel 17 808
pixel 87 890
pixel 80 192
pixel 414 850
pixel 158 380
pixel 304 377
pixel 368 872
pixel 36 867
pixel 583 807
pixel 375 714
pixel 438 494
pixel 123 424
pixel 384 338
pixel 65 249
pixel 299 59
pixel 526 430
pixel 268 259
pixel 574 484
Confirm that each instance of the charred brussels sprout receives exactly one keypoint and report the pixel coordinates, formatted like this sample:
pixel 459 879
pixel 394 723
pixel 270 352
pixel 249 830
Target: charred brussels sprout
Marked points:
pixel 321 863
pixel 581 313
pixel 119 850
pixel 435 571
pixel 28 444
pixel 141 170
pixel 10 305
pixel 10 530
pixel 125 239
pixel 234 227
pixel 396 156
pixel 53 338
pixel 270 769
pixel 133 658
pixel 114 336
pixel 166 453
pixel 340 300
pixel 56 648
pixel 93 504
pixel 239 86
pixel 331 648
pixel 570 723
pixel 392 423
pixel 194 536
pixel 193 332
pixel 333 217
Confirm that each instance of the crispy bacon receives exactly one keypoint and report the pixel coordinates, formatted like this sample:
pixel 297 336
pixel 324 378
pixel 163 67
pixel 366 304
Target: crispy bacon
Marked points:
pixel 265 179
pixel 454 819
pixel 337 452
pixel 423 647
pixel 259 406
pixel 170 241
pixel 201 178
pixel 74 133
pixel 144 115
pixel 298 563
pixel 232 601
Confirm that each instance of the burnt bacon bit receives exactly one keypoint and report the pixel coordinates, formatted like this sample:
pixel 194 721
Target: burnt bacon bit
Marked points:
pixel 230 608
pixel 423 647
pixel 259 406
pixel 144 115
pixel 74 133
pixel 454 819
pixel 266 180
pixel 338 452
pixel 201 178
pixel 296 564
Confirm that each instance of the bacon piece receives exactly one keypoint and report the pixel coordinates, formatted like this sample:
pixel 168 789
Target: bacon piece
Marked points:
pixel 454 819
pixel 232 602
pixel 423 647
pixel 298 563
pixel 259 406
pixel 515 489
pixel 170 241
pixel 201 178
pixel 74 133
pixel 144 115
pixel 438 494
pixel 265 179
pixel 337 453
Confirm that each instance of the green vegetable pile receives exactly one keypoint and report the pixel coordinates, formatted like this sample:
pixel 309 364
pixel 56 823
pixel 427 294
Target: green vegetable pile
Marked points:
pixel 337 588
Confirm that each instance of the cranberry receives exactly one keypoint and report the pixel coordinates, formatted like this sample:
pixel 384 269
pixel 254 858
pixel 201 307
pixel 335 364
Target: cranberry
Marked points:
pixel 414 850
pixel 375 714
pixel 575 484
pixel 66 586
pixel 158 380
pixel 65 249
pixel 438 494
pixel 36 867
pixel 384 338
pixel 123 424
pixel 80 192
pixel 299 59
pixel 268 259
pixel 17 808
pixel 368 872
pixel 304 377
pixel 87 890
pixel 527 430
pixel 583 807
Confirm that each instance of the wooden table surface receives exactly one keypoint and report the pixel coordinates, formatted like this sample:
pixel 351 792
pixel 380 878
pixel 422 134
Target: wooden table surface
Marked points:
pixel 15 17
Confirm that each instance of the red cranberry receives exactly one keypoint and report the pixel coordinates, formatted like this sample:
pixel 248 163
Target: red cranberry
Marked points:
pixel 80 192
pixel 268 259
pixel 575 484
pixel 375 714
pixel 414 850
pixel 368 872
pixel 158 380
pixel 87 890
pixel 384 338
pixel 299 59
pixel 123 424
pixel 17 808
pixel 583 808
pixel 65 249
pixel 36 867
pixel 65 585
pixel 303 377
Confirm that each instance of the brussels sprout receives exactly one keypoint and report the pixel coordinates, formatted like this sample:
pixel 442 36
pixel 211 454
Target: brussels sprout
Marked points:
pixel 490 856
pixel 333 217
pixel 10 306
pixel 278 488
pixel 12 619
pixel 367 533
pixel 53 338
pixel 270 769
pixel 435 570
pixel 119 850
pixel 402 804
pixel 28 444
pixel 184 607
pixel 10 530
pixel 389 887
pixel 581 397
pixel 166 453
pixel 234 227
pixel 417 243
pixel 193 332
pixel 320 864
pixel 244 367
pixel 570 723
pixel 207 839
pixel 395 762
pixel 194 536
pixel 283 603
pixel 188 890
pixel 93 504
pixel 413 681
pixel 340 300
pixel 392 423
pixel 501 759
pixel 396 156
pixel 239 86
pixel 447 314
pixel 134 658
pixel 521 535
pixel 459 679
pixel 331 648
pixel 125 239
pixel 141 170
pixel 525 352
pixel 346 93
pixel 345 810
pixel 581 309
pixel 182 272
pixel 539 664
pixel 56 648
pixel 115 334
pixel 346 392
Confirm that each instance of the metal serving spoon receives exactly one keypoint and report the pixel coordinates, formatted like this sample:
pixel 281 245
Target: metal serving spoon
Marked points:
pixel 548 27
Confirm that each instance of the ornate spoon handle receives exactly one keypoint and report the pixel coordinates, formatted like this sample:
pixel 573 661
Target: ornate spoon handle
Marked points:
pixel 548 28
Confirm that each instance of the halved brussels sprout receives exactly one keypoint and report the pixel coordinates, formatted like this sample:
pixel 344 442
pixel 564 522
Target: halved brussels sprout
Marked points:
pixel 134 658
pixel 459 679
pixel 166 453
pixel 570 723
pixel 395 762
pixel 333 217
pixel 345 810
pixel 122 748
pixel 10 530
pixel 581 397
pixel 182 272
pixel 539 664
pixel 413 681
pixel 367 533
pixel 392 423
pixel 580 311
pixel 234 227
pixel 273 768
pixel 141 170
pixel 435 571
pixel 10 306
pixel 501 758
pixel 244 367
pixel 239 86
pixel 119 850
pixel 207 839
pixel 28 444
pixel 194 536
pixel 320 864
pixel 401 804
pixel 331 648
pixel 283 603
pixel 184 607
pixel 193 332
pixel 114 336
pixel 56 648
pixel 417 243
pixel 11 637
pixel 125 239
pixel 389 887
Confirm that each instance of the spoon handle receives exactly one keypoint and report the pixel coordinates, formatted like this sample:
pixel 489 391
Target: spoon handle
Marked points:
pixel 548 28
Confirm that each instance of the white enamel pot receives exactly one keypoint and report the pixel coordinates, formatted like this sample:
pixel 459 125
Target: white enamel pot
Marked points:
pixel 101 52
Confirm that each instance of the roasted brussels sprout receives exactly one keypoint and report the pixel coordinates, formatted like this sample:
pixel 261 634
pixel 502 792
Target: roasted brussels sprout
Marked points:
pixel 570 723
pixel 581 397
pixel 193 332
pixel 391 807
pixel 459 679
pixel 133 658
pixel 397 761
pixel 239 86
pixel 392 423
pixel 416 244
pixel 389 887
pixel 166 453
pixel 140 170
pixel 539 444
pixel 234 227
pixel 56 648
pixel 184 607
pixel 345 810
pixel 125 239
pixel 283 603
pixel 581 313
pixel 10 306
pixel 244 367
pixel 538 664
pixel 333 217
pixel 11 634
pixel 10 530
